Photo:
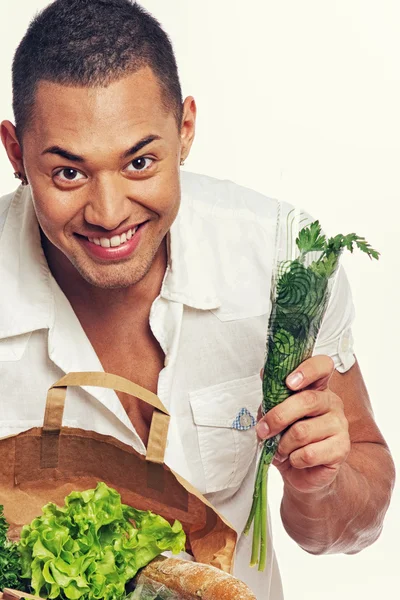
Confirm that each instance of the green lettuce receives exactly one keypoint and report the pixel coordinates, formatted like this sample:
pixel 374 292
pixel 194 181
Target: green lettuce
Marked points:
pixel 90 548
pixel 10 568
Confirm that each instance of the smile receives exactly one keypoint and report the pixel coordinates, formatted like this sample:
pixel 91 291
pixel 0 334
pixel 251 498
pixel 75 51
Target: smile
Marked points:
pixel 116 240
pixel 115 248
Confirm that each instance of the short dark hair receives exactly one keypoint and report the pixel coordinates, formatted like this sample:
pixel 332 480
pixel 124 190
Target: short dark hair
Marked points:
pixel 92 43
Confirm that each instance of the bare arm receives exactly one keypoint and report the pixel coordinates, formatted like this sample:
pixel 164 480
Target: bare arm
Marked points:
pixel 337 487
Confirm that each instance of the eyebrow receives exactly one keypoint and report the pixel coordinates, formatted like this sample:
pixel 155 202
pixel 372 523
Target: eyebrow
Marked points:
pixel 80 159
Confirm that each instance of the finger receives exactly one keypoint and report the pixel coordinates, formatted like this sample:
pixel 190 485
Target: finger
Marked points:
pixel 309 403
pixel 308 431
pixel 331 452
pixel 315 371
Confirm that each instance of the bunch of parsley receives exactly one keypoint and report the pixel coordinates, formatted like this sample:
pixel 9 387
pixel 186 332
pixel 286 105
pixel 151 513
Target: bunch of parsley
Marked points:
pixel 299 295
pixel 10 567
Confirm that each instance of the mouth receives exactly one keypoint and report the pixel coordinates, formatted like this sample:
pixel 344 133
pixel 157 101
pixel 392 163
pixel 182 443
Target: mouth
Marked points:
pixel 116 240
pixel 116 247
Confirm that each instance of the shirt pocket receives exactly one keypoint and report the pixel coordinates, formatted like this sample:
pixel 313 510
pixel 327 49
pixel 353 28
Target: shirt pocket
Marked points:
pixel 225 416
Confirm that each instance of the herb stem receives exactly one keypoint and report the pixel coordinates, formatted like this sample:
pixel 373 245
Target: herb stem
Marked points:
pixel 255 548
pixel 256 494
pixel 264 514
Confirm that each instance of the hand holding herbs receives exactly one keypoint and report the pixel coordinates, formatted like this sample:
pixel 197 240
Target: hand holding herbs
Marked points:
pixel 300 294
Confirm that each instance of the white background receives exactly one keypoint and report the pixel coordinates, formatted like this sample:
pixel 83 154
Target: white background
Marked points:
pixel 300 101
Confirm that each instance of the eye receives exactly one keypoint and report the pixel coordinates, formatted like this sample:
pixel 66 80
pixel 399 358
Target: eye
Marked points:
pixel 139 164
pixel 68 174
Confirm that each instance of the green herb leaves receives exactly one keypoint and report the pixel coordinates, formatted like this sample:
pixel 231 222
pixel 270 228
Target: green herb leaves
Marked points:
pixel 10 569
pixel 310 239
pixel 340 241
pixel 90 548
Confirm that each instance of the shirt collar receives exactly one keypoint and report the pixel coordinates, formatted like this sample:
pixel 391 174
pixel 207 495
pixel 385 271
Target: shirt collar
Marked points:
pixel 28 303
pixel 191 277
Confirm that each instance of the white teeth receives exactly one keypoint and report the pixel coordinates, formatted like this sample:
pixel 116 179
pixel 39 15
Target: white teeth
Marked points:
pixel 115 241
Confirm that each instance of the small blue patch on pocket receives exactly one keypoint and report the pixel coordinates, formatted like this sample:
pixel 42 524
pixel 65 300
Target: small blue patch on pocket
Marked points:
pixel 244 420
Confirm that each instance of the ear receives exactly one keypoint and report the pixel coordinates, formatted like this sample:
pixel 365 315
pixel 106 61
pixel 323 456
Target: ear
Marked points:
pixel 12 146
pixel 188 126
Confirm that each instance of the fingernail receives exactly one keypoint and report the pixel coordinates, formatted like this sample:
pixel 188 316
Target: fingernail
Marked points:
pixel 295 379
pixel 263 430
pixel 279 458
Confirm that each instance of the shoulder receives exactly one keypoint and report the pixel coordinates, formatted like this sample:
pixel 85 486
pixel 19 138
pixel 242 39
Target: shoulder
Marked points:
pixel 223 198
pixel 236 229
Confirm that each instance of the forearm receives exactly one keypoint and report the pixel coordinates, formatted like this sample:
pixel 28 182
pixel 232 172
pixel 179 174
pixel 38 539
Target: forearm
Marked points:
pixel 348 515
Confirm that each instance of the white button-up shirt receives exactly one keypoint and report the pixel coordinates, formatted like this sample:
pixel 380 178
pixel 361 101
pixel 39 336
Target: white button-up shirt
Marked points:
pixel 211 321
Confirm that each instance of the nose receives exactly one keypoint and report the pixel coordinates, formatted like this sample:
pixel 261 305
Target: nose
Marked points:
pixel 108 205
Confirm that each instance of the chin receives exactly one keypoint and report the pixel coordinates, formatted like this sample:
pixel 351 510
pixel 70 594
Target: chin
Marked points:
pixel 113 277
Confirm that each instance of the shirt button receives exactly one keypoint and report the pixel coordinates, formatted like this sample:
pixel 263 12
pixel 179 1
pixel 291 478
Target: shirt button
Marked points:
pixel 166 360
pixel 245 421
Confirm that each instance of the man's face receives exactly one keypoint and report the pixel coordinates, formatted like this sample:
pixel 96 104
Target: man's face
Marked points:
pixel 90 191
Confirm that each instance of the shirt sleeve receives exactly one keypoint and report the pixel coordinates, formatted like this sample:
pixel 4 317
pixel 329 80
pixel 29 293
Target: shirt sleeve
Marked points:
pixel 335 337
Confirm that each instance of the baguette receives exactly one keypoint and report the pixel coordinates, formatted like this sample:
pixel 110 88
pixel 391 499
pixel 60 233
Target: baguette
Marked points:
pixel 191 580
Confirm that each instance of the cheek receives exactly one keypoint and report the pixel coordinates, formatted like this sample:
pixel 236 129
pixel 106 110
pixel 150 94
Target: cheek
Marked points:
pixel 164 198
pixel 54 211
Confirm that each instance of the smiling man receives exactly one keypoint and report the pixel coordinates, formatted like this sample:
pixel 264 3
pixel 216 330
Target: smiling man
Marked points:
pixel 111 258
pixel 104 177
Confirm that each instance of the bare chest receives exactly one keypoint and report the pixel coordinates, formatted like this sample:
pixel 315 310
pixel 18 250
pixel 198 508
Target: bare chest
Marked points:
pixel 140 360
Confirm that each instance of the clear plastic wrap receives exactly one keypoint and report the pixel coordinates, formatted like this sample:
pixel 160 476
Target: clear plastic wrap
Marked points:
pixel 302 281
pixel 152 590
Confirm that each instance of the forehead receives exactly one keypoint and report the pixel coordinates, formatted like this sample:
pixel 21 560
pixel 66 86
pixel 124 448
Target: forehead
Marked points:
pixel 132 101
